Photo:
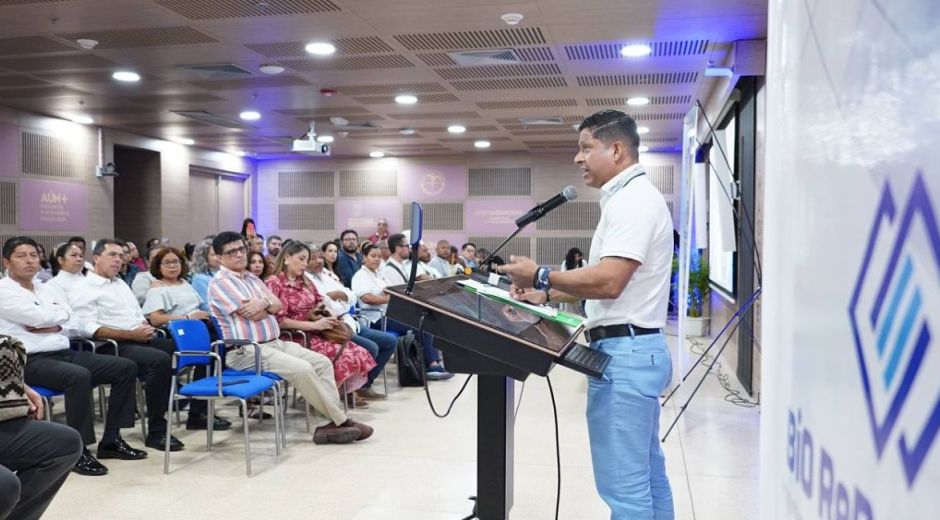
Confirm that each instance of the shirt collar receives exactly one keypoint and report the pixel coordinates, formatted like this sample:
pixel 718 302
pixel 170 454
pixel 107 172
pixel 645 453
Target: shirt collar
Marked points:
pixel 97 279
pixel 619 181
pixel 225 271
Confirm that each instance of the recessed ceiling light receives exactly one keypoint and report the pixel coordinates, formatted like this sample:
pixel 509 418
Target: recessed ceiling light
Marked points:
pixel 512 18
pixel 642 130
pixel 407 131
pixel 183 140
pixel 638 101
pixel 482 144
pixel 126 75
pixel 83 120
pixel 87 43
pixel 377 154
pixel 636 50
pixel 324 138
pixel 456 129
pixel 240 153
pixel 320 48
pixel 406 99
pixel 271 68
pixel 643 148
pixel 250 115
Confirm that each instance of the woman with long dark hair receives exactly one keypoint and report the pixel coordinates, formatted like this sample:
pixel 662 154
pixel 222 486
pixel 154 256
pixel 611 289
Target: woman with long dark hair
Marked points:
pixel 330 259
pixel 573 260
pixel 248 228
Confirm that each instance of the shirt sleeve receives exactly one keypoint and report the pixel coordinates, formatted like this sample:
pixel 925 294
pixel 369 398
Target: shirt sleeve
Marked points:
pixel 360 285
pixel 222 298
pixel 158 299
pixel 201 285
pixel 82 299
pixel 629 225
pixel 19 308
pixel 140 286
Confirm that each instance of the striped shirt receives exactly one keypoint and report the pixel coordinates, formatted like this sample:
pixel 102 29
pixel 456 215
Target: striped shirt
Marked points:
pixel 228 291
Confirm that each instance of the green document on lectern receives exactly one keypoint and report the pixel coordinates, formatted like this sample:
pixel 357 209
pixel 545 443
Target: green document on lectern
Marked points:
pixel 503 296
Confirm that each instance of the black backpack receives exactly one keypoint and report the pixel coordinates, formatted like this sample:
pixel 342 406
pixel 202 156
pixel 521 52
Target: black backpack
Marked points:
pixel 408 357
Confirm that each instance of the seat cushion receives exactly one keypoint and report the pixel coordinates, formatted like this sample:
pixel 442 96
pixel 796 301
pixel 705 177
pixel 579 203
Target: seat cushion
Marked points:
pixel 241 386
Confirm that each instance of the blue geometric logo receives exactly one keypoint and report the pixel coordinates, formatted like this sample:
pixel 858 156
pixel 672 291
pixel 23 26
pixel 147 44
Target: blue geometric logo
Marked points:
pixel 894 323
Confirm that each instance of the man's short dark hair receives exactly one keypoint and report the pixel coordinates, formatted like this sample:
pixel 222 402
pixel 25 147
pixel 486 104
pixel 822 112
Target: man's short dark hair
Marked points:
pixel 463 247
pixel 105 242
pixel 348 231
pixel 75 239
pixel 274 237
pixel 225 237
pixel 613 125
pixel 396 240
pixel 11 244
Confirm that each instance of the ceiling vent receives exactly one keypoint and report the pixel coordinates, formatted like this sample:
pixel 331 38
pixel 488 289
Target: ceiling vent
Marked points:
pixel 535 121
pixel 212 119
pixel 487 57
pixel 342 123
pixel 216 71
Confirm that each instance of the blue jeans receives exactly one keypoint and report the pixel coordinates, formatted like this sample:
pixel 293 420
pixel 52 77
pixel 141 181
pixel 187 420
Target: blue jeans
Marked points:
pixel 380 345
pixel 623 425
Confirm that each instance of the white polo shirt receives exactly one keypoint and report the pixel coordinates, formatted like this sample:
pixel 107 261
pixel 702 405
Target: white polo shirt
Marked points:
pixel 635 223
pixel 367 282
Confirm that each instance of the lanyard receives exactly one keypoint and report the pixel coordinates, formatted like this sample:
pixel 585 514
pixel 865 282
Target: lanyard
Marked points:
pixel 620 186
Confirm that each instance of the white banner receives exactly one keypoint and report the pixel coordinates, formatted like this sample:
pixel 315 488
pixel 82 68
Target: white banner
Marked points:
pixel 851 315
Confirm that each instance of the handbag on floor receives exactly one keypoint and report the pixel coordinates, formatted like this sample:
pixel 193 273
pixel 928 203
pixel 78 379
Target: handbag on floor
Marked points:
pixel 13 401
pixel 408 357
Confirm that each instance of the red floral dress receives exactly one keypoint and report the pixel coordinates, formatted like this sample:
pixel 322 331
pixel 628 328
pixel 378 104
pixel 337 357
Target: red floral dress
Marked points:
pixel 298 297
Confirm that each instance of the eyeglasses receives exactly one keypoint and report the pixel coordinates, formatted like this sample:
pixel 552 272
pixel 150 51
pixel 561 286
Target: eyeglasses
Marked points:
pixel 350 239
pixel 235 252
pixel 170 263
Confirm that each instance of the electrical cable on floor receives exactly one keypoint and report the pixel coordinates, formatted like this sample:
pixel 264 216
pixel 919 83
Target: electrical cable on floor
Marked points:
pixel 551 392
pixel 733 395
pixel 424 377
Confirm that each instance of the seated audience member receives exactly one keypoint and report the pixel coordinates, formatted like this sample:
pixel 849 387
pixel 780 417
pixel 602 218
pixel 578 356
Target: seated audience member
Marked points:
pixel 188 250
pixel 45 267
pixel 424 262
pixel 38 315
pixel 142 281
pixel 80 242
pixel 330 257
pixel 369 286
pixel 245 309
pixel 248 229
pixel 35 455
pixel 349 258
pixel 397 270
pixel 153 243
pixel 456 260
pixel 205 265
pixel 273 245
pixel 258 265
pixel 128 270
pixel 107 309
pixel 256 244
pixel 339 300
pixel 384 250
pixel 441 262
pixel 468 252
pixel 381 232
pixel 299 296
pixel 68 266
pixel 136 259
pixel 573 260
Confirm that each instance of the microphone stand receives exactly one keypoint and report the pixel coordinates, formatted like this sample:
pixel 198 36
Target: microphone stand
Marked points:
pixel 485 264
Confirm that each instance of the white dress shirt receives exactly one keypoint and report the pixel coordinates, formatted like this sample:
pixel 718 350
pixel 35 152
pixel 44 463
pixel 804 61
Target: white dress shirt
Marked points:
pixel 327 284
pixel 365 281
pixel 99 302
pixel 42 307
pixel 65 281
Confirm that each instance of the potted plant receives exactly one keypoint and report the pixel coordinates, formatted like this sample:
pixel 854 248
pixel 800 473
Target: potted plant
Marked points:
pixel 699 291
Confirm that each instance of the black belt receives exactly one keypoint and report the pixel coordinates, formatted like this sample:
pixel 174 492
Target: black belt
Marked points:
pixel 617 331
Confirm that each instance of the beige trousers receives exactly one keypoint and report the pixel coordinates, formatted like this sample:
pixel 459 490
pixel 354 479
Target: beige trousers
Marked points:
pixel 309 372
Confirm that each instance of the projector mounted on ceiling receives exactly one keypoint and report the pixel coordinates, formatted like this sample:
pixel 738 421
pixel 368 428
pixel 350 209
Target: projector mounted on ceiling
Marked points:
pixel 308 144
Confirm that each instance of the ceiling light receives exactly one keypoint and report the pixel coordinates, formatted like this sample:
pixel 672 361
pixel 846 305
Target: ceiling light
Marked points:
pixel 407 131
pixel 643 148
pixel 271 68
pixel 377 154
pixel 482 144
pixel 638 101
pixel 83 120
pixel 240 153
pixel 642 130
pixel 183 140
pixel 512 18
pixel 126 75
pixel 87 43
pixel 456 129
pixel 320 48
pixel 637 50
pixel 406 99
pixel 324 138
pixel 250 115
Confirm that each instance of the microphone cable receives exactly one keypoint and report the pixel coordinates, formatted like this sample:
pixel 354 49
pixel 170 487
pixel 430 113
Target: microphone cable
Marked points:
pixel 551 392
pixel 424 376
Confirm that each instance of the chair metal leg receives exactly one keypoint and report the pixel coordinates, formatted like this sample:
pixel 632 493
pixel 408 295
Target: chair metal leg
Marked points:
pixel 47 404
pixel 247 443
pixel 277 421
pixel 142 408
pixel 101 403
pixel 169 431
pixel 210 422
pixel 385 377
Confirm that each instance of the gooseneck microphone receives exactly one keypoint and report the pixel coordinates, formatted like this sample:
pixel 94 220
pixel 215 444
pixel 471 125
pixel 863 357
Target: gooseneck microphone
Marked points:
pixel 539 211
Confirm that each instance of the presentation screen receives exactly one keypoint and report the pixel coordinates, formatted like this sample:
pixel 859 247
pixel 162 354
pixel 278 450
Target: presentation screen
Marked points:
pixel 721 190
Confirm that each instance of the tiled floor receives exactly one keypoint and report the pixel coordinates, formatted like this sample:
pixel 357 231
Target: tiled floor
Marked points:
pixel 418 467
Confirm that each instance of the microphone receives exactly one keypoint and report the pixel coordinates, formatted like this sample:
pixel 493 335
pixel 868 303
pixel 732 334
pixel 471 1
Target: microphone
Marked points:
pixel 539 211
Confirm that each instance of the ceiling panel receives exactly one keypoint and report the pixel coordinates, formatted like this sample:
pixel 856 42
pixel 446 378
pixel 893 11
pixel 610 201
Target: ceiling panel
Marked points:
pixel 142 37
pixel 611 51
pixel 251 83
pixel 31 45
pixel 56 63
pixel 15 80
pixel 392 88
pixel 215 9
pixel 492 39
pixel 295 48
pixel 374 62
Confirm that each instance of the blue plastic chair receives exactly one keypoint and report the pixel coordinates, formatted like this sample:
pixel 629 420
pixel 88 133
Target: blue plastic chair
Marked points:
pixel 193 348
pixel 47 394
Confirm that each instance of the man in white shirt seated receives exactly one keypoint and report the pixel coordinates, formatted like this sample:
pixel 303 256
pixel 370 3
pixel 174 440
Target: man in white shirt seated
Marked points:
pixel 441 262
pixel 107 309
pixel 424 259
pixel 39 316
pixel 397 269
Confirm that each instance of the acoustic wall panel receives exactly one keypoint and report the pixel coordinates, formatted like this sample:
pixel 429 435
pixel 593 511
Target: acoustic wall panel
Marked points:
pixel 305 216
pixel 8 201
pixel 438 216
pixel 551 251
pixel 572 216
pixel 368 183
pixel 305 184
pixel 53 157
pixel 517 246
pixel 508 182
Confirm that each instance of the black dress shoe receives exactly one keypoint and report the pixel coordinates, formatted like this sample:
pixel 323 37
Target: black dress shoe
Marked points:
pixel 253 413
pixel 88 465
pixel 157 441
pixel 119 449
pixel 200 423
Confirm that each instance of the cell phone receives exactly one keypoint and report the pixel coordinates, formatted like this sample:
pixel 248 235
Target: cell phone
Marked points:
pixel 234 382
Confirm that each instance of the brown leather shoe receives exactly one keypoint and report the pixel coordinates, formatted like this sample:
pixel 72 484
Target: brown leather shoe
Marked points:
pixel 370 394
pixel 333 434
pixel 353 401
pixel 365 430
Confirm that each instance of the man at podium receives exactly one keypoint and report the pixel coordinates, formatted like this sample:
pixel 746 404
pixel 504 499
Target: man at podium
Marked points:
pixel 626 288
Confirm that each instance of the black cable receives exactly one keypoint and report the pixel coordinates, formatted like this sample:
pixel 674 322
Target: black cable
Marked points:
pixel 557 447
pixel 747 215
pixel 424 377
pixel 518 403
